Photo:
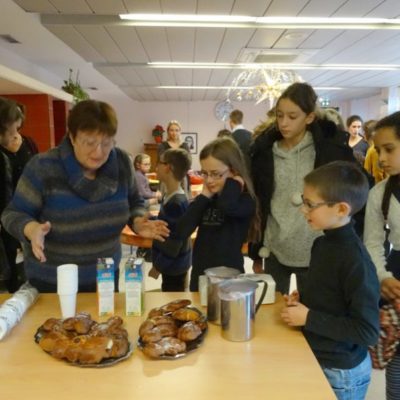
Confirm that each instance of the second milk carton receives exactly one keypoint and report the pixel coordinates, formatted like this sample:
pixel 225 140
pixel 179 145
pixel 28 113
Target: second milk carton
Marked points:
pixel 134 286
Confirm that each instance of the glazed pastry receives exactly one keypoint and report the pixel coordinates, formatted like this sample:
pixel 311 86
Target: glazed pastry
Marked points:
pixel 186 314
pixel 155 312
pixel 163 320
pixel 95 349
pixel 153 350
pixel 82 325
pixel 50 323
pixel 82 340
pixel 175 305
pixel 189 331
pixel 172 346
pixel 120 347
pixel 167 330
pixel 146 326
pixel 151 336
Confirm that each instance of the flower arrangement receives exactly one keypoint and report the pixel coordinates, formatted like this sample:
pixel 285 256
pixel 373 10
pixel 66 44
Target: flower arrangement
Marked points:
pixel 157 133
pixel 73 87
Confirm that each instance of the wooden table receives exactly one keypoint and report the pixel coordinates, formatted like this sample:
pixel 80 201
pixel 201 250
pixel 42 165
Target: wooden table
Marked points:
pixel 276 364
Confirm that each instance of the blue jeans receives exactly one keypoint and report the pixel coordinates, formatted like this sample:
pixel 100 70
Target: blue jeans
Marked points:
pixel 350 384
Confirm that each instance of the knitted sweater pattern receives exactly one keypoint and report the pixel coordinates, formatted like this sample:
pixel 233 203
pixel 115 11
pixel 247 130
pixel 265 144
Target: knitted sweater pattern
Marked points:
pixel 86 216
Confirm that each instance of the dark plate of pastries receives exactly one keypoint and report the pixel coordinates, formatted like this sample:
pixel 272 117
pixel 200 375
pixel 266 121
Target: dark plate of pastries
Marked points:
pixel 84 342
pixel 172 330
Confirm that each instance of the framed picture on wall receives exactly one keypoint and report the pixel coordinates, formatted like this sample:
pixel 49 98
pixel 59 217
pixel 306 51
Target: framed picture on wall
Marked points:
pixel 191 139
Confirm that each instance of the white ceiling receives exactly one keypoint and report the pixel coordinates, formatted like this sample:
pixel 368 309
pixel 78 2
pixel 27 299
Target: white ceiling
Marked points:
pixel 119 52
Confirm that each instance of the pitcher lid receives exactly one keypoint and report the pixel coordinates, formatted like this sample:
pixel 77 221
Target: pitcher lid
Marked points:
pixel 235 288
pixel 222 272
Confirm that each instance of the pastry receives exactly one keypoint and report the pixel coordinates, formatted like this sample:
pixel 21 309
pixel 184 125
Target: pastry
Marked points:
pixel 153 335
pixel 186 314
pixel 172 346
pixel 189 331
pixel 84 341
pixel 155 312
pixel 153 350
pixel 176 305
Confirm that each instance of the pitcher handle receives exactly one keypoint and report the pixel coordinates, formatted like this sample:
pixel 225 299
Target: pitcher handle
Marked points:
pixel 263 293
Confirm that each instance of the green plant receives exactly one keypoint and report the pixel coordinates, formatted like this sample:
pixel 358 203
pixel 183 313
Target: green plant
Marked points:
pixel 73 87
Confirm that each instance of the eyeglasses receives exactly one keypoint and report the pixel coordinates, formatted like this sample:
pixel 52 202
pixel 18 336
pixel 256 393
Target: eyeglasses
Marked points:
pixel 214 175
pixel 92 144
pixel 310 206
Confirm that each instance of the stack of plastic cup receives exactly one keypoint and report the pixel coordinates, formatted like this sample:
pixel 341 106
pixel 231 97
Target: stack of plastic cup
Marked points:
pixel 67 288
pixel 14 308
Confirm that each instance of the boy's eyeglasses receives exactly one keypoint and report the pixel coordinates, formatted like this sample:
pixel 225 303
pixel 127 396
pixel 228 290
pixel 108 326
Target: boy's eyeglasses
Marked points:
pixel 310 206
pixel 214 175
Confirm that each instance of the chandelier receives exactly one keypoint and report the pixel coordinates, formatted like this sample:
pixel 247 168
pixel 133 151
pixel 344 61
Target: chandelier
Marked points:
pixel 261 83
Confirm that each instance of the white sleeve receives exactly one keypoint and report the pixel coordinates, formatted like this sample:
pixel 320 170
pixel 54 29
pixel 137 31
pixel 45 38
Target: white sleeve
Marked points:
pixel 374 233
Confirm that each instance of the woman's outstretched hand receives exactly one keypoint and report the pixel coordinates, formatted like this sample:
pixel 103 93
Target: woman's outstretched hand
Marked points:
pixel 36 233
pixel 151 229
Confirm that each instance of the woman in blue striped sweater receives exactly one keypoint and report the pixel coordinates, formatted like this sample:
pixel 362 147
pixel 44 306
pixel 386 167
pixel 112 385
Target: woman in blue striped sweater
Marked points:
pixel 72 202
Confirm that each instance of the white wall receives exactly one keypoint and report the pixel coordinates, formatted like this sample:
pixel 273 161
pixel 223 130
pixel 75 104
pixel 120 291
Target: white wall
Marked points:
pixel 367 108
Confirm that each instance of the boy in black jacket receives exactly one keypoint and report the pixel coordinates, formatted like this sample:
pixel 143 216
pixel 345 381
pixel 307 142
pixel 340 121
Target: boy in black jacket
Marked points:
pixel 338 307
pixel 173 257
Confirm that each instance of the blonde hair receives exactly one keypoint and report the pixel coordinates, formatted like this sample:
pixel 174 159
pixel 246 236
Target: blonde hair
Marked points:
pixel 173 122
pixel 139 159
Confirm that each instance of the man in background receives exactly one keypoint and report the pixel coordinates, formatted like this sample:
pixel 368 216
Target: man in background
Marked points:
pixel 239 134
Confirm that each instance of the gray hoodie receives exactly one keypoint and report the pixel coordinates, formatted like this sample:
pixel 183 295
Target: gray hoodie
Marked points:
pixel 288 235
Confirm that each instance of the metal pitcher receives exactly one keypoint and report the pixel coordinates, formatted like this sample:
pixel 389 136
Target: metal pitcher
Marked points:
pixel 214 277
pixel 238 308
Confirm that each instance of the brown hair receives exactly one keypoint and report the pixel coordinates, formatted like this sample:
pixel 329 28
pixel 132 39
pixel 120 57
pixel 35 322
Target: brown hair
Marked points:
pixel 236 116
pixel 92 115
pixel 179 160
pixel 10 112
pixel 340 181
pixel 228 152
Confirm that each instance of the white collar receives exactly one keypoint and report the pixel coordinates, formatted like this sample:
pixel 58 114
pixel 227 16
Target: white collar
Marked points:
pixel 238 127
pixel 167 198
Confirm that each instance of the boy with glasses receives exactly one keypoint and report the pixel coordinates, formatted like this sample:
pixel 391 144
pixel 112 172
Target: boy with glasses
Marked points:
pixel 173 257
pixel 338 306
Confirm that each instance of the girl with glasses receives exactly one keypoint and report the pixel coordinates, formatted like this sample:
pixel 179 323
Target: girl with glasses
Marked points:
pixel 222 212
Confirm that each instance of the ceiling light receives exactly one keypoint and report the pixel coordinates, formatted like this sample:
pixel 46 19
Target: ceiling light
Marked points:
pixel 244 21
pixel 344 67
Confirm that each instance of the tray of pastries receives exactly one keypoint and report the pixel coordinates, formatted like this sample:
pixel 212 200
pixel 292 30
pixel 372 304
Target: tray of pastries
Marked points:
pixel 172 330
pixel 84 342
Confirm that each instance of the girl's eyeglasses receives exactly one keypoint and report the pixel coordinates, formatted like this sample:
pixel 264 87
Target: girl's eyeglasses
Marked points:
pixel 92 144
pixel 310 206
pixel 214 175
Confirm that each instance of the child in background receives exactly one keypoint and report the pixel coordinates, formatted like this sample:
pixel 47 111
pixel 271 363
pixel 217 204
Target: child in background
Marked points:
pixel 371 163
pixel 142 165
pixel 222 212
pixel 383 209
pixel 172 258
pixel 338 307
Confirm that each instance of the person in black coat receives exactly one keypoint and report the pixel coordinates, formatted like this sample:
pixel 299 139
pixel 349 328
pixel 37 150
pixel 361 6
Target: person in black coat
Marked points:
pixel 11 118
pixel 239 134
pixel 280 158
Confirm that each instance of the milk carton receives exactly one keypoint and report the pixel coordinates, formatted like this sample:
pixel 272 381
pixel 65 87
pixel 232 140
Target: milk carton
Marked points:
pixel 105 286
pixel 134 286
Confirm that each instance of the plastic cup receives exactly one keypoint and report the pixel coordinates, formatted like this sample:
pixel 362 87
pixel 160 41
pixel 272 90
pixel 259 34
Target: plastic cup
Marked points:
pixel 67 279
pixel 68 305
pixel 67 288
